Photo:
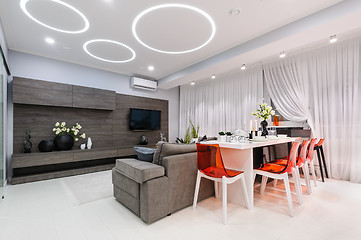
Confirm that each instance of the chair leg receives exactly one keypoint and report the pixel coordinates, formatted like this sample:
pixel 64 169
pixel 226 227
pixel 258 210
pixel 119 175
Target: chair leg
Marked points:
pixel 274 182
pixel 296 176
pixel 324 161
pixel 245 194
pixel 313 172
pixel 263 184
pixel 320 163
pixel 196 191
pixel 288 192
pixel 306 173
pixel 216 189
pixel 224 199
pixel 254 176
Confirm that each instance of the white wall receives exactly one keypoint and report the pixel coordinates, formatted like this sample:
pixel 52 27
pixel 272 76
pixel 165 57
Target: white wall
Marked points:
pixel 41 68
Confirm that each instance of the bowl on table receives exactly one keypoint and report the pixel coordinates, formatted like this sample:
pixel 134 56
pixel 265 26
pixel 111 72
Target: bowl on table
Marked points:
pixel 282 136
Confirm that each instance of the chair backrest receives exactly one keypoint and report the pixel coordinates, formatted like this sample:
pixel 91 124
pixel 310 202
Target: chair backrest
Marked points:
pixel 320 142
pixel 303 152
pixel 292 157
pixel 311 149
pixel 209 160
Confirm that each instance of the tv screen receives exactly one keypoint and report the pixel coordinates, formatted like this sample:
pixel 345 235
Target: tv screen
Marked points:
pixel 143 119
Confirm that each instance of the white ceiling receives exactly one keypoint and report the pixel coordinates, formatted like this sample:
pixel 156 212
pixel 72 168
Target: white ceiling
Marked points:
pixel 169 29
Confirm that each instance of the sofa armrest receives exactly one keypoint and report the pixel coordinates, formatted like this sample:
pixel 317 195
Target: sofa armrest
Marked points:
pixel 138 171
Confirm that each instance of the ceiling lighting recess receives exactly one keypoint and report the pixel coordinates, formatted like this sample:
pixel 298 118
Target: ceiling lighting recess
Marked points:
pixel 85 47
pixel 150 68
pixel 192 83
pixel 333 39
pixel 283 54
pixel 173 5
pixel 235 11
pixel 243 67
pixel 213 76
pixel 49 40
pixel 86 22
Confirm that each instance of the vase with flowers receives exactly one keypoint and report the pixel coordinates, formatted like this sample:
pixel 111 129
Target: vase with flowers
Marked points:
pixel 65 136
pixel 264 112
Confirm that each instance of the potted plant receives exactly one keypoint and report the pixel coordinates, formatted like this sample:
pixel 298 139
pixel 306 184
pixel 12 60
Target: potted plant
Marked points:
pixel 264 112
pixel 194 131
pixel 222 137
pixel 228 136
pixel 65 136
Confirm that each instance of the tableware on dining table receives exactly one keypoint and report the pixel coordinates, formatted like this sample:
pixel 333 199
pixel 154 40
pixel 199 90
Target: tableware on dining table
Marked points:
pixel 259 139
pixel 282 136
pixel 272 137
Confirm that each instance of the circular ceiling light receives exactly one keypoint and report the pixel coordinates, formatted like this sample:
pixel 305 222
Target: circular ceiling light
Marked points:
pixel 86 22
pixel 173 5
pixel 85 47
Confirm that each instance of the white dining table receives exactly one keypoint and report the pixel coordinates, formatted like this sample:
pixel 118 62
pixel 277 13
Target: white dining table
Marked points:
pixel 239 156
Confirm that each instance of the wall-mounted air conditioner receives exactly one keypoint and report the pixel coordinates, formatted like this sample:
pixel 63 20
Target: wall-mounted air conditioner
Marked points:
pixel 143 84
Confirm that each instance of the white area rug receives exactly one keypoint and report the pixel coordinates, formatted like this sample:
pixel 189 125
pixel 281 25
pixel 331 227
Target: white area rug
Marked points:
pixel 89 187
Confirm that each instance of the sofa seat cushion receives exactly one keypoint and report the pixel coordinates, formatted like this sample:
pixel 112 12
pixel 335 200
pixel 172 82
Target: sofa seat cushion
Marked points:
pixel 138 171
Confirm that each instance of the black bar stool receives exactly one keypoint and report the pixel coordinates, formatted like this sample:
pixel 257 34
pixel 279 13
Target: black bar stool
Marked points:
pixel 321 162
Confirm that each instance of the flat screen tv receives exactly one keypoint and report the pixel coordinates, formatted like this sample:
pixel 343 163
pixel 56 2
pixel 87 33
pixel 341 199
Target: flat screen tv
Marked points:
pixel 144 119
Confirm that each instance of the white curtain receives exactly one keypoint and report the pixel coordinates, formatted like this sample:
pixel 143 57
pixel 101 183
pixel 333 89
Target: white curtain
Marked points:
pixel 323 87
pixel 222 104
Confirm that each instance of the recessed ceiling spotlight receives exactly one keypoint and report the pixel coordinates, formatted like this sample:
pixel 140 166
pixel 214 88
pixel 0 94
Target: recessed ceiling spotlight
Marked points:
pixel 173 5
pixel 86 22
pixel 213 76
pixel 150 68
pixel 243 67
pixel 85 47
pixel 283 54
pixel 49 40
pixel 333 38
pixel 192 83
pixel 235 11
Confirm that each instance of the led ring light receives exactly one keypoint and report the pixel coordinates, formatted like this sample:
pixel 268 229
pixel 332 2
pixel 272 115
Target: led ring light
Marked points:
pixel 86 22
pixel 85 47
pixel 142 14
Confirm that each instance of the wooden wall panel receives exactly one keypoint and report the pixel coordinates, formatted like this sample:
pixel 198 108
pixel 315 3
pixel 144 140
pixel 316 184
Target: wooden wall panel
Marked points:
pixel 29 91
pixel 85 97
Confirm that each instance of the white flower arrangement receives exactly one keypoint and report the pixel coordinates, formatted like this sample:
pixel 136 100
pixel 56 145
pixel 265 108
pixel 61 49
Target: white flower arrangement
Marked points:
pixel 61 128
pixel 264 111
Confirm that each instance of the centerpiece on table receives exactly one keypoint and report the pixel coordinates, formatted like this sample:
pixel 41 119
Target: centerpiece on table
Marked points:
pixel 65 136
pixel 264 112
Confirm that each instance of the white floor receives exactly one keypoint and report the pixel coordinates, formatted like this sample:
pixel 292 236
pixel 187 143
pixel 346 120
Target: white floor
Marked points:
pixel 45 210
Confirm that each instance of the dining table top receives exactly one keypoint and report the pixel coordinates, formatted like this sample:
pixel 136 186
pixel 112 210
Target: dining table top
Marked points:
pixel 249 144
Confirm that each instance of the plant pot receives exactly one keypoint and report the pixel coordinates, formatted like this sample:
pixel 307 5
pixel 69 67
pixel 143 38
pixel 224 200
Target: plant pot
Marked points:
pixel 228 138
pixel 63 142
pixel 222 138
pixel 46 146
pixel 264 125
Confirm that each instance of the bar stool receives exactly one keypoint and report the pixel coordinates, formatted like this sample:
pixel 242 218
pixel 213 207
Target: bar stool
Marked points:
pixel 323 166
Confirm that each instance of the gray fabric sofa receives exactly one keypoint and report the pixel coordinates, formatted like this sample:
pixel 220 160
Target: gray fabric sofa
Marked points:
pixel 154 190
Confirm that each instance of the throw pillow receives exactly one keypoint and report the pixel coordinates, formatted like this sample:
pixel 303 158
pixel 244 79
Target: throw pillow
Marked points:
pixel 144 154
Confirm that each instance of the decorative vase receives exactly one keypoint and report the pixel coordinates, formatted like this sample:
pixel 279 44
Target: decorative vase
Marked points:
pixel 264 125
pixel 89 143
pixel 222 138
pixel 143 140
pixel 63 142
pixel 46 146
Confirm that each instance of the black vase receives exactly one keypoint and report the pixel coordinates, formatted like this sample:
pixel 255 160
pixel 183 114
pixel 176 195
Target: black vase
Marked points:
pixel 46 146
pixel 63 142
pixel 143 140
pixel 264 125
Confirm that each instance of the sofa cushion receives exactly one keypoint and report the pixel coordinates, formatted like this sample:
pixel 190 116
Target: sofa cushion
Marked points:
pixel 168 149
pixel 138 171
pixel 144 153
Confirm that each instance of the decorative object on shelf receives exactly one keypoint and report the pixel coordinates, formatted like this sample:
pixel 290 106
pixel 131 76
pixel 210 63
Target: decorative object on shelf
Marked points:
pixel 228 136
pixel 66 136
pixel 162 138
pixel 82 146
pixel 89 144
pixel 27 143
pixel 143 140
pixel 46 146
pixel 264 112
pixel 222 137
pixel 276 120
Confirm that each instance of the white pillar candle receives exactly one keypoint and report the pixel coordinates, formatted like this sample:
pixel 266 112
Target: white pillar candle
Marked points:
pixel 255 125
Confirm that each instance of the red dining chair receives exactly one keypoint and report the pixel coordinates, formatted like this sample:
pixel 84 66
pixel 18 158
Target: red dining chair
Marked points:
pixel 300 163
pixel 211 166
pixel 277 171
pixel 309 160
pixel 323 166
